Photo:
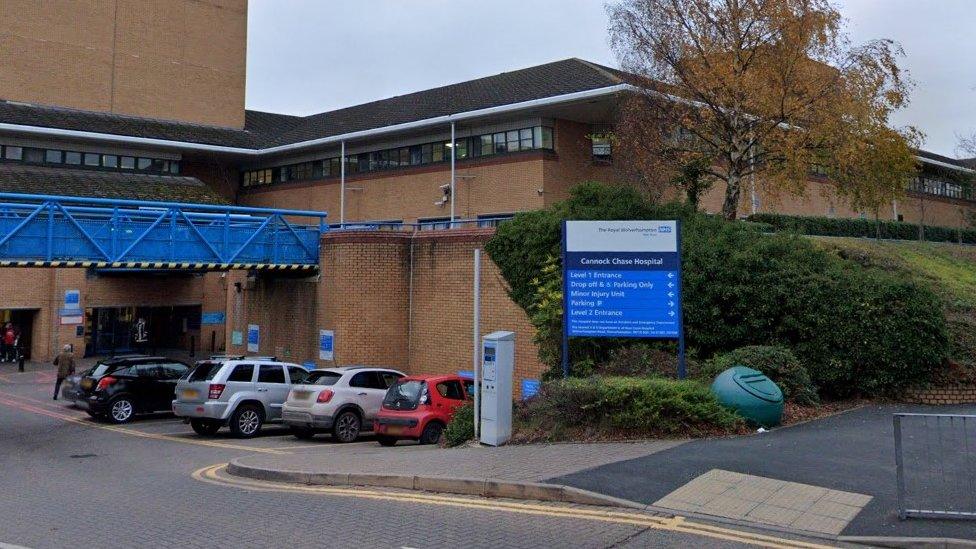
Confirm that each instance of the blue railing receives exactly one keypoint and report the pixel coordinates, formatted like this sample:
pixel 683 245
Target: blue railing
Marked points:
pixel 131 233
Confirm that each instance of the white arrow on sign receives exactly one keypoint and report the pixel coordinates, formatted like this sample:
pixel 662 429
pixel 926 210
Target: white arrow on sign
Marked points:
pixel 670 303
pixel 670 284
pixel 670 275
pixel 671 313
pixel 670 294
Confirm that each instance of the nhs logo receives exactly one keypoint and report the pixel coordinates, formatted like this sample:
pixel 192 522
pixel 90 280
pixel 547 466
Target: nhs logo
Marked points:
pixel 664 228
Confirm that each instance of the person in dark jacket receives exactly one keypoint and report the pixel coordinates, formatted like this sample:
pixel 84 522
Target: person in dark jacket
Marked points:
pixel 66 367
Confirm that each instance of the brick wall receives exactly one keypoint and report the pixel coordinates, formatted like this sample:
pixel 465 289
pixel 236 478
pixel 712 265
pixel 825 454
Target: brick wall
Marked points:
pixel 393 299
pixel 950 394
pixel 575 162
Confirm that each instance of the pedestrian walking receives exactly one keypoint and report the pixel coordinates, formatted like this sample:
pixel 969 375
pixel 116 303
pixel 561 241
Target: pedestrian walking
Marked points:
pixel 8 338
pixel 66 367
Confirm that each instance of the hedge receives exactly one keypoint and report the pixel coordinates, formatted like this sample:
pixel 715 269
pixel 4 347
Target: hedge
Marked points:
pixel 865 228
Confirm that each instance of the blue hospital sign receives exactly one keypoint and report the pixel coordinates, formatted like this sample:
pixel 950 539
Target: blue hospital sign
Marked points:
pixel 622 279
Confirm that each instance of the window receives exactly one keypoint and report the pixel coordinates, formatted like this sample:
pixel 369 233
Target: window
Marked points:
pixel 388 379
pixel 110 161
pixel 13 153
pixel 53 157
pixel 271 373
pixel 451 390
pixel 156 165
pixel 546 138
pixel 206 371
pixel 34 156
pixel 174 167
pixel 415 155
pixel 461 149
pixel 148 371
pixel 73 158
pixel 242 372
pixel 500 144
pixel 525 139
pixel 493 220
pixel 512 140
pixel 486 147
pixel 323 378
pixel 143 163
pixel 601 140
pixel 297 375
pixel 360 380
pixel 92 159
pixel 172 370
pixel 127 163
pixel 434 223
pixel 437 153
pixel 426 151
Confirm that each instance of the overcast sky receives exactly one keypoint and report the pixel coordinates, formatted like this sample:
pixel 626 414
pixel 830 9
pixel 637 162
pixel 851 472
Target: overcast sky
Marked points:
pixel 307 56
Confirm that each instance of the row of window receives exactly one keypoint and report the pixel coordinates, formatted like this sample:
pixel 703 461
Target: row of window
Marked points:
pixel 525 139
pixel 939 188
pixel 427 223
pixel 58 157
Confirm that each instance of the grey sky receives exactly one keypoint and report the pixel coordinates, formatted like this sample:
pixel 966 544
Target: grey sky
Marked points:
pixel 307 56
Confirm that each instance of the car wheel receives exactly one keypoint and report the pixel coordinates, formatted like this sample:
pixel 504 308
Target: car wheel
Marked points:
pixel 205 427
pixel 386 440
pixel 302 433
pixel 121 410
pixel 246 421
pixel 432 433
pixel 347 426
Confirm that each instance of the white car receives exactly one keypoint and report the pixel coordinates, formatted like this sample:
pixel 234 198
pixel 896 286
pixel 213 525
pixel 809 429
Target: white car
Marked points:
pixel 337 400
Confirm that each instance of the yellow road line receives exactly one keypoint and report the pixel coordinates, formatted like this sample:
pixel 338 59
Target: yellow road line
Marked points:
pixel 132 432
pixel 676 524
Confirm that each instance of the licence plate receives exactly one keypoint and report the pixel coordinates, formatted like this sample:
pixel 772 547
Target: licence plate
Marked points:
pixel 394 429
pixel 190 393
pixel 87 384
pixel 302 395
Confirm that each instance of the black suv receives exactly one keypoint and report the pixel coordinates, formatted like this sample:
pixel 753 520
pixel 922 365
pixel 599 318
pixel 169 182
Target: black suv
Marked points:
pixel 116 389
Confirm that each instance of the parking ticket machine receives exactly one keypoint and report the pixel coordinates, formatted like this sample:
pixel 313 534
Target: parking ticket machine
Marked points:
pixel 498 363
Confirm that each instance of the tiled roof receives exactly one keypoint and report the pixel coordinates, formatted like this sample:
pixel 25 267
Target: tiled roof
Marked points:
pixel 961 162
pixel 262 129
pixel 18 178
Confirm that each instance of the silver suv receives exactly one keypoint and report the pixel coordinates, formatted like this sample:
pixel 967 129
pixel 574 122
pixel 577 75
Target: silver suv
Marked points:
pixel 240 392
pixel 338 400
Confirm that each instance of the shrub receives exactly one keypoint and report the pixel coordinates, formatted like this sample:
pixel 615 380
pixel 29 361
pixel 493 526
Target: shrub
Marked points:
pixel 646 360
pixel 857 328
pixel 461 428
pixel 778 363
pixel 629 406
pixel 866 228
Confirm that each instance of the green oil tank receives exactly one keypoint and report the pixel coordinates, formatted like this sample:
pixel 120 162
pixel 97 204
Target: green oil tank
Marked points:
pixel 750 393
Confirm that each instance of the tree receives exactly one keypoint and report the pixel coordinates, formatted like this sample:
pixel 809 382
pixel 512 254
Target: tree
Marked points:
pixel 765 88
pixel 694 178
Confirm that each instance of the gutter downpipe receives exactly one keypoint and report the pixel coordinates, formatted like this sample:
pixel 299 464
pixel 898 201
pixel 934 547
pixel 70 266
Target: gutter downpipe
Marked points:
pixel 342 184
pixel 453 155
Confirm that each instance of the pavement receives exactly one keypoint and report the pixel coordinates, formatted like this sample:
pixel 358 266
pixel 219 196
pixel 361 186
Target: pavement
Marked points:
pixel 67 481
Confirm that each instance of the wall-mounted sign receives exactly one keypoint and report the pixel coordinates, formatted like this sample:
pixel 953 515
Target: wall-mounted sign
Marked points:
pixel 253 338
pixel 622 279
pixel 211 318
pixel 530 388
pixel 71 313
pixel 326 345
pixel 236 338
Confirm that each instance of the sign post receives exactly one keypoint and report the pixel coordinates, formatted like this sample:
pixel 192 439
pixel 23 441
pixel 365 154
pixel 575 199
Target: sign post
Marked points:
pixel 622 279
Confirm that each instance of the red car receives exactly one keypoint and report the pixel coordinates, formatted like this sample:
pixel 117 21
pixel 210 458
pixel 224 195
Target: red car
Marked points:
pixel 420 407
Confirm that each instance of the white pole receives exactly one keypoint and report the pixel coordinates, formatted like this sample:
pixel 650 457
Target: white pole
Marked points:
pixel 476 351
pixel 453 154
pixel 342 185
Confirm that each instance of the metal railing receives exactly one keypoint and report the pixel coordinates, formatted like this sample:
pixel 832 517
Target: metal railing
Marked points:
pixel 935 459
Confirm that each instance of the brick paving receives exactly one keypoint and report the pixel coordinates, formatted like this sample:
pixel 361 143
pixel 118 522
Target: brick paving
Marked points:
pixel 767 501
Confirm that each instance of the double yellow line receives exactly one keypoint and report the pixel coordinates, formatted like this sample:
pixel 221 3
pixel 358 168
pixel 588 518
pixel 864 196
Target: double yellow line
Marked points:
pixel 214 474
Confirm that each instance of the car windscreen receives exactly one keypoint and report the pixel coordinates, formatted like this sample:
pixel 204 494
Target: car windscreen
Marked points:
pixel 205 371
pixel 404 395
pixel 322 378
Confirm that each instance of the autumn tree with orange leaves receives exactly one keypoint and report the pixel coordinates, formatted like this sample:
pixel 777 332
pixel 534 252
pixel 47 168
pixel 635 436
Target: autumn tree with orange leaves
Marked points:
pixel 761 90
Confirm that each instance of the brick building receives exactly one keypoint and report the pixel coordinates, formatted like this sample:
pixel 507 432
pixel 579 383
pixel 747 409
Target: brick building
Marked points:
pixel 160 116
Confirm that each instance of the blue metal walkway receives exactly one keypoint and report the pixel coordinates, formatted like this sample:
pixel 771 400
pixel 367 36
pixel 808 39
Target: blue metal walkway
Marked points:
pixel 62 231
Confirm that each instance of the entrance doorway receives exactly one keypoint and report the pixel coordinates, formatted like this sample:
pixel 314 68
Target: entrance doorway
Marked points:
pixel 23 322
pixel 117 330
